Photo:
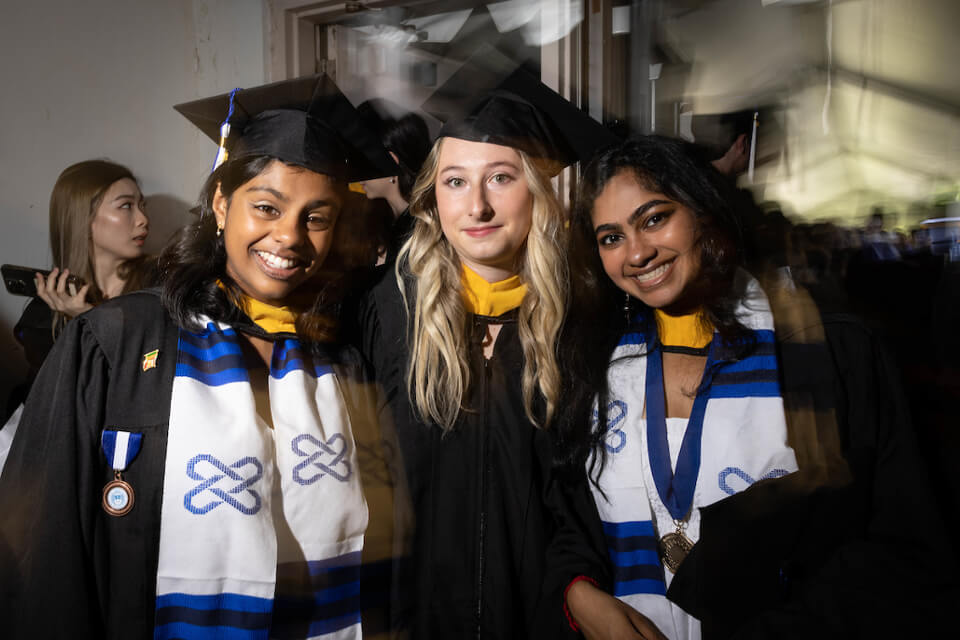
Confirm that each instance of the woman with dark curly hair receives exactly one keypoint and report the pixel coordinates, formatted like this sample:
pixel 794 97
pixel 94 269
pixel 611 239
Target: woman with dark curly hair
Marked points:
pixel 744 453
pixel 199 462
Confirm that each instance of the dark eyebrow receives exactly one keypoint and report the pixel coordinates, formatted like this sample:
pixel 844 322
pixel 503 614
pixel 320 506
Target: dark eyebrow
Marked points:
pixel 276 194
pixel 318 204
pixel 646 206
pixel 609 226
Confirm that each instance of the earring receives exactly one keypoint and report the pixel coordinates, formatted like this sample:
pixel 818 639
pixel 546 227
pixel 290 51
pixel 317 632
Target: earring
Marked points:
pixel 626 308
pixel 219 230
pixel 393 180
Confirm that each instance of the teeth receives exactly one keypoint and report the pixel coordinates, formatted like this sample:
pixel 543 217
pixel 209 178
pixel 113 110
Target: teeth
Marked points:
pixel 656 273
pixel 276 261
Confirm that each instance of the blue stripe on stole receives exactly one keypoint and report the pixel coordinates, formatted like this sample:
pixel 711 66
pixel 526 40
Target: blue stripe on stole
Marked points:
pixel 290 355
pixel 632 547
pixel 632 338
pixel 184 631
pixel 223 615
pixel 328 596
pixel 212 357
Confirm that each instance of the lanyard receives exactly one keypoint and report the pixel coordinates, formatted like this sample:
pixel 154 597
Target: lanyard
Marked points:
pixel 675 488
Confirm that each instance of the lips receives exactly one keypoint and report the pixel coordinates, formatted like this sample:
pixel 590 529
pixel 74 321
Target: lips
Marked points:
pixel 654 277
pixel 479 232
pixel 276 266
pixel 139 240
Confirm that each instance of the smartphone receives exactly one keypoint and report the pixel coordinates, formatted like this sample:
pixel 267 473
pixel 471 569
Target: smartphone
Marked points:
pixel 20 280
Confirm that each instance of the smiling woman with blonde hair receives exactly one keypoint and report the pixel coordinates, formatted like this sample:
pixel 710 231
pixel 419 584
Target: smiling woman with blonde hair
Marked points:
pixel 463 336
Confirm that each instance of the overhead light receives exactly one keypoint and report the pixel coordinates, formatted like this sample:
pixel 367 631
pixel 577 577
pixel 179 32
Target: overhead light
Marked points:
pixel 786 3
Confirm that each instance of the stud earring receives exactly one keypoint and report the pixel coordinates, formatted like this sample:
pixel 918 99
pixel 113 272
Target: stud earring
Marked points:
pixel 393 180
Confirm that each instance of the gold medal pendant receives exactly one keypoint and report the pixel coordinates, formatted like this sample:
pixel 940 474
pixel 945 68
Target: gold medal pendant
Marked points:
pixel 117 496
pixel 674 547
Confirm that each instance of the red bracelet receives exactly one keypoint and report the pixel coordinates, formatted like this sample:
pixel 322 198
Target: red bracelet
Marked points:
pixel 566 610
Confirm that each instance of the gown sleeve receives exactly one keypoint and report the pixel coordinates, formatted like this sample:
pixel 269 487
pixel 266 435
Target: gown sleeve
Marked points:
pixel 50 495
pixel 576 546
pixel 865 559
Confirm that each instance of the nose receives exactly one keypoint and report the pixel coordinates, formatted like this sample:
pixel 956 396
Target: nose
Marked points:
pixel 480 204
pixel 142 220
pixel 639 250
pixel 288 231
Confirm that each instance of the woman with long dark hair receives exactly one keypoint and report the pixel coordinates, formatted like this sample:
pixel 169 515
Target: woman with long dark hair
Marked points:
pixel 98 226
pixel 745 453
pixel 189 461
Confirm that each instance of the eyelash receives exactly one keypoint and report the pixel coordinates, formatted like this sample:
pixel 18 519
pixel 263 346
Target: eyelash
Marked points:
pixel 266 208
pixel 609 239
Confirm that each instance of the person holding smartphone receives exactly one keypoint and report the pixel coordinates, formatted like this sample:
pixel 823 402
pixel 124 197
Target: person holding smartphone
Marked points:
pixel 98 226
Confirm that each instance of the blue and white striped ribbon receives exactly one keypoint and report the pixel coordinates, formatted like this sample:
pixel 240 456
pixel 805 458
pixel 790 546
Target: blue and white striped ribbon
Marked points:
pixel 120 447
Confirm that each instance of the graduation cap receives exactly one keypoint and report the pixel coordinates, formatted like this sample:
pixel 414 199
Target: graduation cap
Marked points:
pixel 493 99
pixel 305 121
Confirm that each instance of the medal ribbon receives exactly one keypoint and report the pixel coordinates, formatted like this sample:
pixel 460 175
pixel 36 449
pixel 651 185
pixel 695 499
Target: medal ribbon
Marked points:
pixel 120 447
pixel 675 488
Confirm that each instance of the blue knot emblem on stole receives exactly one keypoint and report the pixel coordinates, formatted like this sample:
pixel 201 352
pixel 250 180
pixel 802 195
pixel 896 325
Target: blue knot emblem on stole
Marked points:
pixel 326 457
pixel 615 439
pixel 239 496
pixel 737 472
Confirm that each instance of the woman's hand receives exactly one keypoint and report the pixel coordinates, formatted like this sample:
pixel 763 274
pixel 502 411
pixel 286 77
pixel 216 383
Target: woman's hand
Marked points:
pixel 603 617
pixel 60 295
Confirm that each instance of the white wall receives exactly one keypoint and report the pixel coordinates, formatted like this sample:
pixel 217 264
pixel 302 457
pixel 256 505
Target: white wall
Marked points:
pixel 98 78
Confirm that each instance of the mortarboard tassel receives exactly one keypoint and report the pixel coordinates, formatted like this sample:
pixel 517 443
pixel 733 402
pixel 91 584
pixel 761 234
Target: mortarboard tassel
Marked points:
pixel 224 134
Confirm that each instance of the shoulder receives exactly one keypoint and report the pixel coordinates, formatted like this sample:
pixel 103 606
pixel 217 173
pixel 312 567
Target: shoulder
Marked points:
pixel 127 320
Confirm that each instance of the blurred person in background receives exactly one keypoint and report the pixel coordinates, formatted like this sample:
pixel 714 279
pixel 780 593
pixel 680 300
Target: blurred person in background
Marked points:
pixel 407 139
pixel 98 226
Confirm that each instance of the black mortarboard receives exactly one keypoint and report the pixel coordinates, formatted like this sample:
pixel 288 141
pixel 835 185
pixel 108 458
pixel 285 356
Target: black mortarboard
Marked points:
pixel 305 121
pixel 492 99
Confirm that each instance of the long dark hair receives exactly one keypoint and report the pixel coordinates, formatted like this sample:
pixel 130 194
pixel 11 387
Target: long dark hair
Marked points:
pixel 74 201
pixel 598 317
pixel 195 261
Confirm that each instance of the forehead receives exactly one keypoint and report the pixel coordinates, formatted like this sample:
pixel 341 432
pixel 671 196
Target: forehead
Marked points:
pixel 467 154
pixel 295 182
pixel 122 187
pixel 621 196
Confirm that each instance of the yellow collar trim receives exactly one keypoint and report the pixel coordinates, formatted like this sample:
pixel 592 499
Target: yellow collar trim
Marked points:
pixel 692 330
pixel 266 316
pixel 490 298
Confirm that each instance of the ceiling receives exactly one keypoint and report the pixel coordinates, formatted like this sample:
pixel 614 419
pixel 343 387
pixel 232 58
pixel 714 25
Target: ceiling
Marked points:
pixel 871 113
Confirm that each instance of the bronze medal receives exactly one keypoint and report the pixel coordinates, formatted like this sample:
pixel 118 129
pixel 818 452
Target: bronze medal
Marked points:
pixel 674 548
pixel 117 497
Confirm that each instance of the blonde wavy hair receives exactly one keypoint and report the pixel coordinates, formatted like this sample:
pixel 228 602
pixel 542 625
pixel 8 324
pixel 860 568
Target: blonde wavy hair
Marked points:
pixel 439 372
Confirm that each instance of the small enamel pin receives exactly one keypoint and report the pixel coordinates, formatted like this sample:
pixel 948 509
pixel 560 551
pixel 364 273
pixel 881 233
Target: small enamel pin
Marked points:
pixel 150 359
pixel 120 448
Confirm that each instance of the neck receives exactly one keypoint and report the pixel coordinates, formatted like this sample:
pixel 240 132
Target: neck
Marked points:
pixel 397 204
pixel 490 273
pixel 106 272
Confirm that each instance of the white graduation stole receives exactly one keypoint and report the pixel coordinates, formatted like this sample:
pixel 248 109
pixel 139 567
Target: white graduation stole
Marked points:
pixel 244 503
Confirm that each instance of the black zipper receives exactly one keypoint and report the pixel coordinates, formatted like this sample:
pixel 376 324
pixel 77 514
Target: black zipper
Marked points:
pixel 484 412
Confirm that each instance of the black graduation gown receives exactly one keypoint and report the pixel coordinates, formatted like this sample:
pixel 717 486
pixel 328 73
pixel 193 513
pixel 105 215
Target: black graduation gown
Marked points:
pixel 67 569
pixel 483 497
pixel 864 558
